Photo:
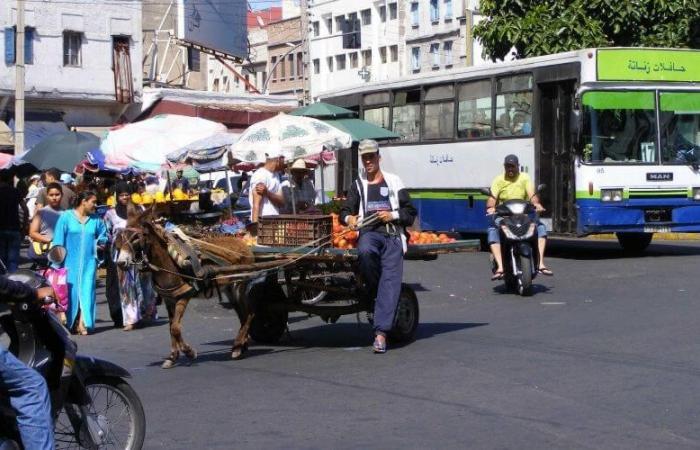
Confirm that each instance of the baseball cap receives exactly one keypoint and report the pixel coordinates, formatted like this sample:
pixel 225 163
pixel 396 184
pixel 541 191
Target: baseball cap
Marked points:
pixel 511 160
pixel 367 146
pixel 66 178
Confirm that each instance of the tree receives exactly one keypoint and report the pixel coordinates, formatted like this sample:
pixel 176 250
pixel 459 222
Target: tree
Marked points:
pixel 540 27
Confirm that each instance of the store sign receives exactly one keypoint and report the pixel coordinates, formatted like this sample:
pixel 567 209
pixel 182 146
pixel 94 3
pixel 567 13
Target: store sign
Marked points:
pixel 645 64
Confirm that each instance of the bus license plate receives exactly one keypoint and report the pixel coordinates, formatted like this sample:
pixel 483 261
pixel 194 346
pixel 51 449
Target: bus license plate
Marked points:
pixel 656 229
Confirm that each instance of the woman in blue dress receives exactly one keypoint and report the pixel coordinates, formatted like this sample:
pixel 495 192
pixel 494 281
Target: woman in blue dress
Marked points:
pixel 80 231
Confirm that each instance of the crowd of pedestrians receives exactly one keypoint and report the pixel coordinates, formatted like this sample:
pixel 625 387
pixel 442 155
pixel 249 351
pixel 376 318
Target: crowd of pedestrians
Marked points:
pixel 52 209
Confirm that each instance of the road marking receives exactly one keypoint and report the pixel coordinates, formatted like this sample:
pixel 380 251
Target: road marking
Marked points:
pixel 552 303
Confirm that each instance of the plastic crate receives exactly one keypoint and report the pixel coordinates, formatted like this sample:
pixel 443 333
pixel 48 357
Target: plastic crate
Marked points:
pixel 288 230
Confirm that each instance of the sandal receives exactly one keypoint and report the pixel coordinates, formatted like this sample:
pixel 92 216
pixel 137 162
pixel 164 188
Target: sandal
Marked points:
pixel 497 275
pixel 545 271
pixel 378 346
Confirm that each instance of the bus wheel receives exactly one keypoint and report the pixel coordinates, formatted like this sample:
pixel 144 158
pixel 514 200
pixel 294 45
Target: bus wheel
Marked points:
pixel 634 242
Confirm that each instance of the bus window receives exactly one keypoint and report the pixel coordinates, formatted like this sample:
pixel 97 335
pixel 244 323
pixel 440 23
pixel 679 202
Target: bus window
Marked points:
pixel 406 115
pixel 514 106
pixel 619 127
pixel 474 111
pixel 378 116
pixel 438 122
pixel 679 115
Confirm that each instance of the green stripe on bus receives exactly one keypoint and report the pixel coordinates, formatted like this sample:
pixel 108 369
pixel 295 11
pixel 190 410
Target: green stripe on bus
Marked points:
pixel 584 195
pixel 447 195
pixel 618 100
pixel 682 102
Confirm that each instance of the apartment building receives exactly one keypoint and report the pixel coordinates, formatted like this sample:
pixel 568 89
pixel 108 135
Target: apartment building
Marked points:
pixel 82 63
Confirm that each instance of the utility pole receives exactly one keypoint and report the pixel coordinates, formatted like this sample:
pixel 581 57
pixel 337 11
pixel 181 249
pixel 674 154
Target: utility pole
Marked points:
pixel 19 80
pixel 305 51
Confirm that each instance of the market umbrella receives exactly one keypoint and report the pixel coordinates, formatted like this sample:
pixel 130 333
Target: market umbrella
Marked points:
pixel 145 144
pixel 62 151
pixel 206 154
pixel 289 136
pixel 345 120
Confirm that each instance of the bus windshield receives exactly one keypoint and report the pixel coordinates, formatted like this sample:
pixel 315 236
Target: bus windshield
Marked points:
pixel 679 116
pixel 619 127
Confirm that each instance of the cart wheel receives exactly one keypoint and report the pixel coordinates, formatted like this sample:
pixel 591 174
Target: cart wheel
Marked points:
pixel 407 314
pixel 268 325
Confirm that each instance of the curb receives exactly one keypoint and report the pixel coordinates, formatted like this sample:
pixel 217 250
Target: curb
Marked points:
pixel 657 236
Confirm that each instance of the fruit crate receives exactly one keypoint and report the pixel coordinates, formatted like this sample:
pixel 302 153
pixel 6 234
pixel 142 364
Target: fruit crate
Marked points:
pixel 287 230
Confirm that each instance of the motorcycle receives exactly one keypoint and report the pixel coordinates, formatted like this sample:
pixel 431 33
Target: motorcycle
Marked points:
pixel 516 221
pixel 93 406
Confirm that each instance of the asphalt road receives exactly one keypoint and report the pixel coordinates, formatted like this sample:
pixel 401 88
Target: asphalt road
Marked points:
pixel 603 356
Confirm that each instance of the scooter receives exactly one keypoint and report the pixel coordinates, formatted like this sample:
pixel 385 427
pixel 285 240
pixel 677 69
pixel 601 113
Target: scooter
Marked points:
pixel 516 221
pixel 92 404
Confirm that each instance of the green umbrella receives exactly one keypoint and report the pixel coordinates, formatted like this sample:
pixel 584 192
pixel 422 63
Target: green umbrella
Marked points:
pixel 322 110
pixel 360 129
pixel 63 151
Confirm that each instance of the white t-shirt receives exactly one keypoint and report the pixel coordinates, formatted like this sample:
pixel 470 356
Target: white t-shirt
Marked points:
pixel 270 180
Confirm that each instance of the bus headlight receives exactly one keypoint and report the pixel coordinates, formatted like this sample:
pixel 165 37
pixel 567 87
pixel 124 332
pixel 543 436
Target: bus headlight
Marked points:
pixel 611 195
pixel 696 193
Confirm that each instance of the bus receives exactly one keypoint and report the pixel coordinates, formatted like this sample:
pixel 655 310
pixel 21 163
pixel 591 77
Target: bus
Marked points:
pixel 613 133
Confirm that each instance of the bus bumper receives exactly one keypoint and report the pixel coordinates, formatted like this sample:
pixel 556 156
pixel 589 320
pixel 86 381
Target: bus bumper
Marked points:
pixel 597 217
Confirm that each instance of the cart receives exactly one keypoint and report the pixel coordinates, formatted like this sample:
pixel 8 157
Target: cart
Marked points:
pixel 326 282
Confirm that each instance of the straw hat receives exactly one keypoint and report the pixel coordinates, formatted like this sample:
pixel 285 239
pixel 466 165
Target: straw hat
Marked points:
pixel 299 164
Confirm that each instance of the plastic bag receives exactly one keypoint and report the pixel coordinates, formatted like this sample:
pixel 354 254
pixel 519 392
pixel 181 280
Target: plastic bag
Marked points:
pixel 58 280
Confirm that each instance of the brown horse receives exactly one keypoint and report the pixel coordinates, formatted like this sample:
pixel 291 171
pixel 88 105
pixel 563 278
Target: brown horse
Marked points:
pixel 145 243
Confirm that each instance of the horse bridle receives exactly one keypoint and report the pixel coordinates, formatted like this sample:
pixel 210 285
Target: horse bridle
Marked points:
pixel 136 235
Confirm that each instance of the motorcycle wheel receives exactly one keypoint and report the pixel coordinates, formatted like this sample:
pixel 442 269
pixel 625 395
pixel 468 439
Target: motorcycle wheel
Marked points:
pixel 525 278
pixel 115 412
pixel 407 316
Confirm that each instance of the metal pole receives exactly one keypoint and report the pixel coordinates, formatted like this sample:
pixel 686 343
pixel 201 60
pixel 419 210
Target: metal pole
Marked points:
pixel 305 48
pixel 228 193
pixel 19 80
pixel 323 189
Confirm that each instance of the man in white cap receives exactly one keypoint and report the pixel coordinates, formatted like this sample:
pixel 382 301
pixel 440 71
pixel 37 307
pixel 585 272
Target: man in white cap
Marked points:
pixel 265 194
pixel 381 244
pixel 299 192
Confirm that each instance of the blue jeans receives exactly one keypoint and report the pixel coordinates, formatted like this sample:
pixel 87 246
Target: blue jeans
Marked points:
pixel 381 264
pixel 29 396
pixel 9 249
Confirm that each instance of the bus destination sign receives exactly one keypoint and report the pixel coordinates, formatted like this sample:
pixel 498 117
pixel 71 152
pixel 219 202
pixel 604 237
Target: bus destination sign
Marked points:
pixel 645 64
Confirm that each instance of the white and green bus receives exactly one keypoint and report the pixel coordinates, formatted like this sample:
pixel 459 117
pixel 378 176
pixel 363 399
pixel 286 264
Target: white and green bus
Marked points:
pixel 614 133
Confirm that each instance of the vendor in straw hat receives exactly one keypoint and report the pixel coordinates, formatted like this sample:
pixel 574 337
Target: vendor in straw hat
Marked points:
pixel 299 192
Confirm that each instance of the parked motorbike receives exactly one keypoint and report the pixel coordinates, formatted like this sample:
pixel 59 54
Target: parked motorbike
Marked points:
pixel 516 221
pixel 92 404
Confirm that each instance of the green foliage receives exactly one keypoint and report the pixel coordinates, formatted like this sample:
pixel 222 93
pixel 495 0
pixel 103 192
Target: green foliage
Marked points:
pixel 541 27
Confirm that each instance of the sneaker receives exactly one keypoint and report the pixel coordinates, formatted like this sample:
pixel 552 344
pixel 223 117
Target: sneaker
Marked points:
pixel 378 346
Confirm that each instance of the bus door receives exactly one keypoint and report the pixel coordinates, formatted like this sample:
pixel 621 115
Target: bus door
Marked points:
pixel 555 158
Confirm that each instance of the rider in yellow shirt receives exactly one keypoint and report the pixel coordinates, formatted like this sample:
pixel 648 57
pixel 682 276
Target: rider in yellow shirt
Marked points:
pixel 513 185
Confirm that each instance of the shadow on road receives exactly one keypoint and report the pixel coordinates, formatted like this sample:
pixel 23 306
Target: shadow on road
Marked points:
pixel 536 289
pixel 593 250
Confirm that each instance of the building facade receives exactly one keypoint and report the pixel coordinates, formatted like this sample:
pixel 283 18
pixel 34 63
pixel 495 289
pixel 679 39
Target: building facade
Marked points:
pixel 82 62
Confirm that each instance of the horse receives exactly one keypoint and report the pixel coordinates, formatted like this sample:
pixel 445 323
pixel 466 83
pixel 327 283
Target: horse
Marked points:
pixel 144 243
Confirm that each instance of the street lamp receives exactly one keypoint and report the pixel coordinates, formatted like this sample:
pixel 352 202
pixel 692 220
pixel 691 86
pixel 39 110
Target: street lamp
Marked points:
pixel 274 66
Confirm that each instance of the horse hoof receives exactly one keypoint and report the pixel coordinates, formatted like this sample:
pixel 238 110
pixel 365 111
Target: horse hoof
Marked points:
pixel 191 355
pixel 238 353
pixel 168 364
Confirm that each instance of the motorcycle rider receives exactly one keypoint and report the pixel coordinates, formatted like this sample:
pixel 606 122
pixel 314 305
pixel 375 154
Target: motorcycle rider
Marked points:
pixel 513 185
pixel 28 393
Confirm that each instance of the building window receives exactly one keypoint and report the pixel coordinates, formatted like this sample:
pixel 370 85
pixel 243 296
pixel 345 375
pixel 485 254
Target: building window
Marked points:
pixel 273 61
pixel 263 78
pixel 382 13
pixel 193 60
pixel 317 28
pixel 329 63
pixel 415 18
pixel 474 110
pixel 435 54
pixel 447 50
pixel 11 45
pixel 382 54
pixel 448 9
pixel 353 60
pixel 415 58
pixel 434 11
pixel 72 44
pixel 394 50
pixel 393 11
pixel 215 88
pixel 290 59
pixel 300 64
pixel 283 68
pixel 352 36
pixel 340 62
pixel 367 58
pixel 339 24
pixel 366 16
pixel 329 25
pixel 317 66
